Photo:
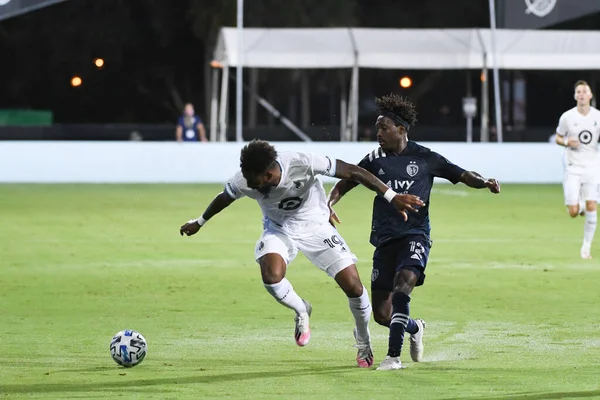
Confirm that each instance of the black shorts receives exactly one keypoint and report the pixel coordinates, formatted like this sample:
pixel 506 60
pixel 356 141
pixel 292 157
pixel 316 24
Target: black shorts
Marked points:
pixel 410 252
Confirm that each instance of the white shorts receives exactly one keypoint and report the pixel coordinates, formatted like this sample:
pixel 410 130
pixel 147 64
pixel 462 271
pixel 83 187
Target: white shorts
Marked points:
pixel 580 187
pixel 322 245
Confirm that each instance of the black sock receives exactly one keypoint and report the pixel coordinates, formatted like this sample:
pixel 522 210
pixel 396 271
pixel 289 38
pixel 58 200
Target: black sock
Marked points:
pixel 398 324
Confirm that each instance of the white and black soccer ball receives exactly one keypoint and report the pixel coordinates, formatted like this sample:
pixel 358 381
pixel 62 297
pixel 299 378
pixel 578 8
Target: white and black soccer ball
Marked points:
pixel 128 348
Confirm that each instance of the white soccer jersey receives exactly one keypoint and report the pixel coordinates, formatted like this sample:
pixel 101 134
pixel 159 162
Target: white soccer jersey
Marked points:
pixel 585 128
pixel 299 198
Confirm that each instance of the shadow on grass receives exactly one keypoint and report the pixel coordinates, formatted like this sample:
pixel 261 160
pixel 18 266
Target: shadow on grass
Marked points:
pixel 537 396
pixel 197 379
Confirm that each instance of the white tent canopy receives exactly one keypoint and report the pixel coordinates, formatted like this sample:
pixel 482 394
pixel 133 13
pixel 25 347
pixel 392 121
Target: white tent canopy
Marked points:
pixel 545 50
pixel 287 48
pixel 410 48
pixel 430 49
pixel 418 49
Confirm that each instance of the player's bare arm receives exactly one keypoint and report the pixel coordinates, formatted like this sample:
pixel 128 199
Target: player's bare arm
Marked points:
pixel 402 202
pixel 219 203
pixel 476 181
pixel 566 142
pixel 339 190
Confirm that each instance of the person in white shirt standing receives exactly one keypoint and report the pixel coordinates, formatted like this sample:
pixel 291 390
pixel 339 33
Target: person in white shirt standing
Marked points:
pixel 578 131
pixel 296 219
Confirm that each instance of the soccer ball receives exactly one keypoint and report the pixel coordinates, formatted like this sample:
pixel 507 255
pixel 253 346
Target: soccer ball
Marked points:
pixel 128 348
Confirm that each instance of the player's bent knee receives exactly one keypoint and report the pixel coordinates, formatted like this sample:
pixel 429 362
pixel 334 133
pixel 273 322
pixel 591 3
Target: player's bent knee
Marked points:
pixel 271 278
pixel 382 305
pixel 590 205
pixel 354 288
pixel 349 280
pixel 272 268
pixel 573 211
pixel 405 281
pixel 382 317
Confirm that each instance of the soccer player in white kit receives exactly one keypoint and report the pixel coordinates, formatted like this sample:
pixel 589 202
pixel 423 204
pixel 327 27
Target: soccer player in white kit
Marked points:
pixel 296 218
pixel 578 130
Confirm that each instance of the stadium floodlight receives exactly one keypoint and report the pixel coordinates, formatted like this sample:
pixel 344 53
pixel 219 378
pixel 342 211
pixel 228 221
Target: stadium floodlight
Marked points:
pixel 405 82
pixel 76 81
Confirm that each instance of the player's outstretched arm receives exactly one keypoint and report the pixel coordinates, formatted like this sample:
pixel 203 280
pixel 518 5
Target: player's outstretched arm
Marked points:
pixel 219 203
pixel 402 202
pixel 476 181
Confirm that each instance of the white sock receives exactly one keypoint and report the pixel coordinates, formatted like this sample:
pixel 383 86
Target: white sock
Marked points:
pixel 361 310
pixel 591 218
pixel 284 293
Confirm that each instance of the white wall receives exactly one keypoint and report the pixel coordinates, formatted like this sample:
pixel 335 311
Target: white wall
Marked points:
pixel 170 162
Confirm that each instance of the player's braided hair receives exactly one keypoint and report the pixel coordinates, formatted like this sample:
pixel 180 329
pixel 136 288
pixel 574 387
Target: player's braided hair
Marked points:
pixel 398 109
pixel 256 157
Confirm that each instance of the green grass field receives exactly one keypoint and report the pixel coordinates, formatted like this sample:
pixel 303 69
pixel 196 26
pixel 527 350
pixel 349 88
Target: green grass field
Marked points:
pixel 512 310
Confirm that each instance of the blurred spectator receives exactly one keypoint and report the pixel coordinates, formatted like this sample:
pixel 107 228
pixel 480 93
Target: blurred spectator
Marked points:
pixel 493 133
pixel 444 118
pixel 135 136
pixel 190 127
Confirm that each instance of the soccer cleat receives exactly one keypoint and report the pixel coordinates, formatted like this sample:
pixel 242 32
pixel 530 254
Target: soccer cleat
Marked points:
pixel 585 252
pixel 390 364
pixel 302 331
pixel 364 357
pixel 416 342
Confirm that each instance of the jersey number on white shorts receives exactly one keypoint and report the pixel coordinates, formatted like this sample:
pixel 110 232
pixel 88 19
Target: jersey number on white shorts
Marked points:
pixel 335 240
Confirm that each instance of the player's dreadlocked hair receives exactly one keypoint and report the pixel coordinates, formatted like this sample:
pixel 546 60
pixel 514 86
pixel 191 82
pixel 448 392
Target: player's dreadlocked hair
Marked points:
pixel 257 156
pixel 398 109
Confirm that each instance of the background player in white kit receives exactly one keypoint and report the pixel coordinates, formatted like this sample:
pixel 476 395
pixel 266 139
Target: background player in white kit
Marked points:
pixel 296 218
pixel 578 130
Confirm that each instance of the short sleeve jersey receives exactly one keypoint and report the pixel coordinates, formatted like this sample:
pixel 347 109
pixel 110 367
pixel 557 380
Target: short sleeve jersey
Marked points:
pixel 410 172
pixel 586 129
pixel 299 197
